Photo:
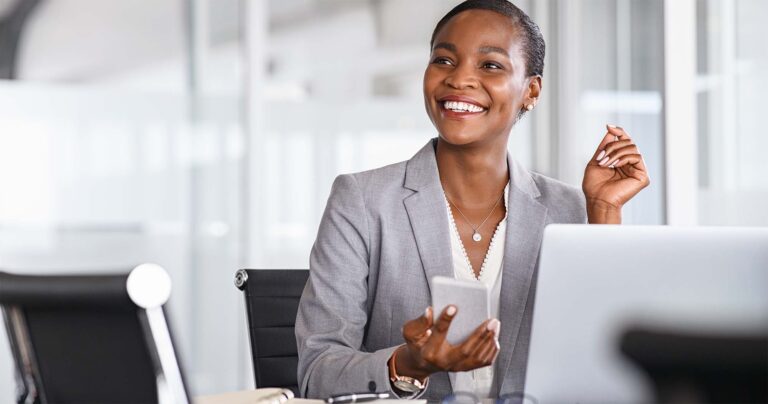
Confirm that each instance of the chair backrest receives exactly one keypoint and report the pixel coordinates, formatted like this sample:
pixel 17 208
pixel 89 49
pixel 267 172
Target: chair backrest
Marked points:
pixel 272 301
pixel 91 339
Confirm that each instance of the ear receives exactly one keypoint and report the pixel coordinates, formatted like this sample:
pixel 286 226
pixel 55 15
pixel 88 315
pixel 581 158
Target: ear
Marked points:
pixel 534 90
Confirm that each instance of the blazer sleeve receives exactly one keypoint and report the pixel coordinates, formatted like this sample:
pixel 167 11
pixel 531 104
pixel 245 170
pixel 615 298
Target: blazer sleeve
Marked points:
pixel 332 315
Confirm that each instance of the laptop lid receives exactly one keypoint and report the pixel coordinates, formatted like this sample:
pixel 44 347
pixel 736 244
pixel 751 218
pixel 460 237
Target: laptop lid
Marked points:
pixel 597 282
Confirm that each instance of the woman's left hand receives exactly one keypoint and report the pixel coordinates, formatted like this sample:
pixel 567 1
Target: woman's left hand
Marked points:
pixel 614 175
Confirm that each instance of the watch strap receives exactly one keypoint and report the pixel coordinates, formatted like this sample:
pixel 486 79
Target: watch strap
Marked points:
pixel 406 384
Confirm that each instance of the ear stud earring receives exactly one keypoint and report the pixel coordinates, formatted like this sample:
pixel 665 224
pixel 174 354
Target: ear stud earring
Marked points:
pixel 529 107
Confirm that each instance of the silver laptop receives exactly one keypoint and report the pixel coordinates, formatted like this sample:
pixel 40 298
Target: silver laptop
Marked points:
pixel 594 282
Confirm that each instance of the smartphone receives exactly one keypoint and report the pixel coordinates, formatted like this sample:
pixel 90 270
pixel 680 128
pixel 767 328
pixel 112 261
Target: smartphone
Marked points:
pixel 470 298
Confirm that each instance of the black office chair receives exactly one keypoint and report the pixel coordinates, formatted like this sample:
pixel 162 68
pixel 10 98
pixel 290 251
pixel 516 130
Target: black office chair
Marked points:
pixel 272 301
pixel 91 339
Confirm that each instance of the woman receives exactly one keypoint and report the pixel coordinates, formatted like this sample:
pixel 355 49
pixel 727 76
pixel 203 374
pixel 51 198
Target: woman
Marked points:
pixel 461 208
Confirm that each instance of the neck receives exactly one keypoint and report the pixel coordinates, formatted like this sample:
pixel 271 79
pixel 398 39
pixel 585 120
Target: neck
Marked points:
pixel 473 176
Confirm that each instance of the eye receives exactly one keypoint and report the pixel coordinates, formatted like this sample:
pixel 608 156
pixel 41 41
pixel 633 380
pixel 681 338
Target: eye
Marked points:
pixel 492 66
pixel 442 61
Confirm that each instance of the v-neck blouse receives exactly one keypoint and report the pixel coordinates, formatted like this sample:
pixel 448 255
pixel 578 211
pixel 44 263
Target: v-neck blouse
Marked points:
pixel 479 381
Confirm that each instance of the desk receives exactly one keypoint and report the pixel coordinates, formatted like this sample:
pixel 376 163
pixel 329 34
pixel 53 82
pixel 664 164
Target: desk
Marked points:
pixel 244 397
pixel 252 397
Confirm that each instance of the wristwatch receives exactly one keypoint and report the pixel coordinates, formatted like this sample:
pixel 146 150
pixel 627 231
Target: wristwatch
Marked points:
pixel 409 385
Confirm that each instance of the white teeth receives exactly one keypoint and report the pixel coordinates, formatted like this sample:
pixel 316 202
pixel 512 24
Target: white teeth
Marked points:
pixel 462 106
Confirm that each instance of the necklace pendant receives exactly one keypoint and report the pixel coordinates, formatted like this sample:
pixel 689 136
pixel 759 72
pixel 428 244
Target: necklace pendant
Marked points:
pixel 477 237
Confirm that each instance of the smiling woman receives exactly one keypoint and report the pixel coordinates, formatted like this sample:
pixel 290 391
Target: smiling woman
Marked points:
pixel 462 208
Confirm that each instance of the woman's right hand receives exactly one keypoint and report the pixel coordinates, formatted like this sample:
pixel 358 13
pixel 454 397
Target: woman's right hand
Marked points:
pixel 426 351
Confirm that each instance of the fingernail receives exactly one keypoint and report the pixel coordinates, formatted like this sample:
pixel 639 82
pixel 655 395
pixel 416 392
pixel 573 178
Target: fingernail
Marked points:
pixel 428 333
pixel 600 156
pixel 451 310
pixel 426 312
pixel 612 126
pixel 603 161
pixel 493 325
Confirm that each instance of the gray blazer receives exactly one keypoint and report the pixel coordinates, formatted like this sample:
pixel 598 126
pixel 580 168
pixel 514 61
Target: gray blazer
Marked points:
pixel 383 236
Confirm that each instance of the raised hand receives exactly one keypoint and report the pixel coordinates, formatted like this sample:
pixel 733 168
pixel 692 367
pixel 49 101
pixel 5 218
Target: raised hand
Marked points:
pixel 614 175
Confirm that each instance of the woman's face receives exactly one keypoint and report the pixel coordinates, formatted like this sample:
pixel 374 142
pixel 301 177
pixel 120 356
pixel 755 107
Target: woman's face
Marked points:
pixel 476 84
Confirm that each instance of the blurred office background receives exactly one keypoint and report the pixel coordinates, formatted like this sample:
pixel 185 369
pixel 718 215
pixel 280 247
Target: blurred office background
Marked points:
pixel 204 135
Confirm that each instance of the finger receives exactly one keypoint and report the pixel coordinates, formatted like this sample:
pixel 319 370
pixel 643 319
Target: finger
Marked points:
pixel 604 157
pixel 429 316
pixel 483 344
pixel 632 159
pixel 475 339
pixel 423 339
pixel 415 329
pixel 618 132
pixel 464 356
pixel 440 327
pixel 468 348
pixel 613 146
pixel 610 159
pixel 488 351
pixel 433 350
pixel 426 321
pixel 635 167
pixel 614 134
pixel 480 354
pixel 599 152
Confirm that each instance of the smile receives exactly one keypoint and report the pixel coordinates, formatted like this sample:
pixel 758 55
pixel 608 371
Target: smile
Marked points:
pixel 458 106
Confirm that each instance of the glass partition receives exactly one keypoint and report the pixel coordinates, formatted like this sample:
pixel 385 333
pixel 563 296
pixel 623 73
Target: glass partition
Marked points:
pixel 607 67
pixel 121 143
pixel 732 79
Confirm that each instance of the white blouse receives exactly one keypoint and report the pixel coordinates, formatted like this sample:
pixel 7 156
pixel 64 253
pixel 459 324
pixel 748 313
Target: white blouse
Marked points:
pixel 479 381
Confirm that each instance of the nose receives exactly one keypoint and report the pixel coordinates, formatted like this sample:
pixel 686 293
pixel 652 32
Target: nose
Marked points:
pixel 462 77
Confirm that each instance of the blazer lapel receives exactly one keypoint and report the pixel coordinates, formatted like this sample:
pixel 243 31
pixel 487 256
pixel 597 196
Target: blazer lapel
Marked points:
pixel 427 214
pixel 429 221
pixel 525 228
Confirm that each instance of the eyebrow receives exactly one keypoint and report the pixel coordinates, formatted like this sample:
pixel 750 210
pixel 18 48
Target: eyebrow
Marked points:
pixel 483 49
pixel 493 49
pixel 445 45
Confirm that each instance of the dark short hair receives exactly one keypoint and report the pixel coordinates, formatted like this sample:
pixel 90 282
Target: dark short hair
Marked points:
pixel 533 41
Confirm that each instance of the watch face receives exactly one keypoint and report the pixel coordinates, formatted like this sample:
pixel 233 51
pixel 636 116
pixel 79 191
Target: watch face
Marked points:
pixel 406 386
